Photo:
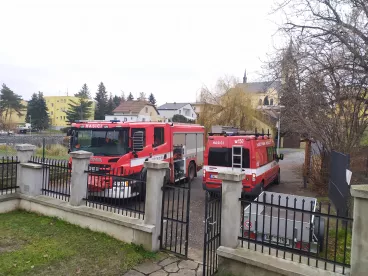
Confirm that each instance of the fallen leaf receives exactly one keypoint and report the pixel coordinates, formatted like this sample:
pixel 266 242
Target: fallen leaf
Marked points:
pixel 32 266
pixel 14 265
pixel 27 262
pixel 45 256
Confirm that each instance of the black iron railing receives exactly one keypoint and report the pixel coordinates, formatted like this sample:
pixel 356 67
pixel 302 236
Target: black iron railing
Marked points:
pixel 212 233
pixel 8 175
pixel 56 177
pixel 116 191
pixel 298 229
pixel 175 217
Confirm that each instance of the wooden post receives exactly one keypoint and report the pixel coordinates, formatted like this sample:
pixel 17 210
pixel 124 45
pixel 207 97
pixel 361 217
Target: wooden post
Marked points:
pixel 307 160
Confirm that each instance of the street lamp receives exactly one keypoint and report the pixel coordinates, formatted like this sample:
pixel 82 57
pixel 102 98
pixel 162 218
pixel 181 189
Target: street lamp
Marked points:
pixel 30 122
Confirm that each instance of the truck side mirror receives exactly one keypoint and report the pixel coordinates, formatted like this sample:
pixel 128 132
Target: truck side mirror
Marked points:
pixel 138 141
pixel 281 156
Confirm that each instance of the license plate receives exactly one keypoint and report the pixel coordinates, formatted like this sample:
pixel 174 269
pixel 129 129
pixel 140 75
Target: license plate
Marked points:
pixel 280 240
pixel 213 176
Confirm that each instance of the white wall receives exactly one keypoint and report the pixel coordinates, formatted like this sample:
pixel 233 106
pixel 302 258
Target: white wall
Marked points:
pixel 128 118
pixel 168 114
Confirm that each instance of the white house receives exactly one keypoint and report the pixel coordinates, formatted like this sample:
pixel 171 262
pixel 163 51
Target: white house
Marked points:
pixel 134 111
pixel 168 110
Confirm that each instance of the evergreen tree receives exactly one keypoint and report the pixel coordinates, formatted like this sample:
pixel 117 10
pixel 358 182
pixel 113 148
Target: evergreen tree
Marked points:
pixel 81 109
pixel 122 98
pixel 117 101
pixel 142 96
pixel 102 102
pixel 110 105
pixel 10 102
pixel 84 92
pixel 130 97
pixel 152 99
pixel 37 112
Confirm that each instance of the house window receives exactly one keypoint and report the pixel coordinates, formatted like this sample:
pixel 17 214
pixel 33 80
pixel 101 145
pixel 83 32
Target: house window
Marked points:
pixel 158 136
pixel 194 108
pixel 52 105
pixel 150 113
pixel 179 111
pixel 143 119
pixel 57 118
pixel 271 101
pixel 192 115
pixel 146 109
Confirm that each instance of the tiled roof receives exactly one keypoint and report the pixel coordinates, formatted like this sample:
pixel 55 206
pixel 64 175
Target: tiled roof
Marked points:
pixel 131 107
pixel 172 106
pixel 259 87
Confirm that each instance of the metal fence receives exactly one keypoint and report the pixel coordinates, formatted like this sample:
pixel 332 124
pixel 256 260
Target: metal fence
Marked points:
pixel 212 233
pixel 298 229
pixel 8 175
pixel 56 177
pixel 108 190
pixel 175 217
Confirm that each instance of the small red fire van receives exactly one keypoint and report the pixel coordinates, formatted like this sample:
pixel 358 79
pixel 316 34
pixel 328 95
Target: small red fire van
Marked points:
pixel 254 154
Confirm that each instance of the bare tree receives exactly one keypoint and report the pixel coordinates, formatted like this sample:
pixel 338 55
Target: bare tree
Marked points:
pixel 226 104
pixel 324 71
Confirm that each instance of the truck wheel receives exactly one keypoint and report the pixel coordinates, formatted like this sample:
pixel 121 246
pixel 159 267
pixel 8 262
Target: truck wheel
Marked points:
pixel 278 178
pixel 261 189
pixel 319 231
pixel 142 184
pixel 191 171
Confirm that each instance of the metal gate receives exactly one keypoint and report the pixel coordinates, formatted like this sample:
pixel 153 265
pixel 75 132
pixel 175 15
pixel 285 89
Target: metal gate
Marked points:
pixel 212 233
pixel 175 217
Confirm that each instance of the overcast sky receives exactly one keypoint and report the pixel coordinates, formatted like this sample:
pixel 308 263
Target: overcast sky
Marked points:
pixel 170 48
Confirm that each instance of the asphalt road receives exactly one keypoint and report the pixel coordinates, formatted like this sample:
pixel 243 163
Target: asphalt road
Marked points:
pixel 196 221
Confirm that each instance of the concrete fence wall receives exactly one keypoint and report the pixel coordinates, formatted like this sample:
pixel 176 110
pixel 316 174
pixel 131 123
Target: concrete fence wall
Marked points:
pixel 34 140
pixel 29 197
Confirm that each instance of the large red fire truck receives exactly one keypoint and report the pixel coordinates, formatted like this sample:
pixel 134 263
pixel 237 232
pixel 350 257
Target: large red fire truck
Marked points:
pixel 254 154
pixel 123 147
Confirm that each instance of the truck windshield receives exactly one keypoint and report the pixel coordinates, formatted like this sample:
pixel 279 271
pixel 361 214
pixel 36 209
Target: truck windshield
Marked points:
pixel 102 142
pixel 222 157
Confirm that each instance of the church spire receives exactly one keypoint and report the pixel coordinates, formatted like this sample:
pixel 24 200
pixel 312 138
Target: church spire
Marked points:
pixel 245 76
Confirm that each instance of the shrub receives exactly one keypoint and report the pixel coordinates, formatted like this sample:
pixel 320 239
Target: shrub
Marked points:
pixel 53 150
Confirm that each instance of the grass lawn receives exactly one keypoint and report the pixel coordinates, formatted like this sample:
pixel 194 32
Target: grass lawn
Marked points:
pixel 31 244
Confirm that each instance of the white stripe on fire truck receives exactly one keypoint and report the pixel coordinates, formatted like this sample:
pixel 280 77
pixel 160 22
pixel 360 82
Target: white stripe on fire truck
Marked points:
pixel 140 161
pixel 258 171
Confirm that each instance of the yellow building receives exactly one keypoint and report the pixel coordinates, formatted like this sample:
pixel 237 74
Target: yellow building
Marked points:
pixel 57 107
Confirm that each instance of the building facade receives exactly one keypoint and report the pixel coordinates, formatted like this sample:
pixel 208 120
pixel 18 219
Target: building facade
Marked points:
pixel 168 110
pixel 58 106
pixel 135 111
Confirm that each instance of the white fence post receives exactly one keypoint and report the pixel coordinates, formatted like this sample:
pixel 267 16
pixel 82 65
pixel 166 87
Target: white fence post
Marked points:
pixel 359 245
pixel 231 207
pixel 24 152
pixel 156 171
pixel 78 182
